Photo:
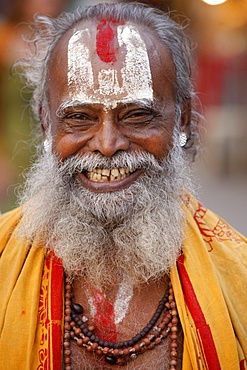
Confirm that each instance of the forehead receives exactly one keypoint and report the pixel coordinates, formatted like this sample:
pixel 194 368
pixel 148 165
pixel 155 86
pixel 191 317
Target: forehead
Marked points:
pixel 107 60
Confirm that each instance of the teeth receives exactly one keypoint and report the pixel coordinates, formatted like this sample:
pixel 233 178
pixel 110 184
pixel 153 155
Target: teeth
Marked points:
pixel 105 172
pixel 108 175
pixel 114 172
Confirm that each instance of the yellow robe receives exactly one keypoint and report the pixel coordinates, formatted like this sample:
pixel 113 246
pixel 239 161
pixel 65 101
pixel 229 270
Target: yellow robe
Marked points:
pixel 209 282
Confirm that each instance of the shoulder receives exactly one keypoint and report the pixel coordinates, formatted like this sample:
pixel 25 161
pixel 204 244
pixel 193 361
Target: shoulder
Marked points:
pixel 214 231
pixel 8 223
pixel 10 218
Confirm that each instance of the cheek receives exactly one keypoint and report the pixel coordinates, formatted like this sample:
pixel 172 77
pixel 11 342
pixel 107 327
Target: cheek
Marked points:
pixel 159 146
pixel 68 145
pixel 157 141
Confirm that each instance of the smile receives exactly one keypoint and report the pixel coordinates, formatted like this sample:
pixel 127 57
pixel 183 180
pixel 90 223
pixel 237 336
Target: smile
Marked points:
pixel 109 180
pixel 108 175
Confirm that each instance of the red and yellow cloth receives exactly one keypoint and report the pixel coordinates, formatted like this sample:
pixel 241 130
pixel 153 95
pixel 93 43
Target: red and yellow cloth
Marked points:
pixel 209 282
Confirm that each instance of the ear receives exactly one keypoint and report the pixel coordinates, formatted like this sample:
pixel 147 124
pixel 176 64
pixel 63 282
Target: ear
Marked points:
pixel 186 117
pixel 43 123
pixel 44 129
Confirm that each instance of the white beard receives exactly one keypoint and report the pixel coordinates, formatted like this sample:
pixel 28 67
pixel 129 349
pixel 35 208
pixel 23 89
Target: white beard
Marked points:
pixel 135 233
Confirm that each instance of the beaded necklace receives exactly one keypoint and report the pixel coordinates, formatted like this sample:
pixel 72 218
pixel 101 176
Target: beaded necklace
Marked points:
pixel 119 353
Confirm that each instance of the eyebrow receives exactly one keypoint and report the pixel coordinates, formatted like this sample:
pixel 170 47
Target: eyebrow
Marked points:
pixel 143 103
pixel 69 104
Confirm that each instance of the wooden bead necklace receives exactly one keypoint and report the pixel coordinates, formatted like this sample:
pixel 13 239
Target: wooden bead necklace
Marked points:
pixel 119 353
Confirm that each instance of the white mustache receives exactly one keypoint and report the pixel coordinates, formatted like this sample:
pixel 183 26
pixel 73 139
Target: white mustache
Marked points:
pixel 93 161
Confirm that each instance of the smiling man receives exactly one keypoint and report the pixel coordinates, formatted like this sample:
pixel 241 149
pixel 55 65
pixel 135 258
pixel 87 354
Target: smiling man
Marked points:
pixel 110 262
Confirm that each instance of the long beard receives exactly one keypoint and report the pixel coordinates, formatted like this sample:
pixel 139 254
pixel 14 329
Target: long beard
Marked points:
pixel 135 233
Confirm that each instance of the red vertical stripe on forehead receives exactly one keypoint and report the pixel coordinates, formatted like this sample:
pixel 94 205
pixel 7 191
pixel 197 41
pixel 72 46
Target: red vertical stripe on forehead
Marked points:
pixel 106 41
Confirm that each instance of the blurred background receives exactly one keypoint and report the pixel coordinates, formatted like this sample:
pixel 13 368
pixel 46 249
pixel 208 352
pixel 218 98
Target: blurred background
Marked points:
pixel 219 31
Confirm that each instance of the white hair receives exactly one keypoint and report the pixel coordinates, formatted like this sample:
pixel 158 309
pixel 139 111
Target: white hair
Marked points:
pixel 136 232
pixel 47 32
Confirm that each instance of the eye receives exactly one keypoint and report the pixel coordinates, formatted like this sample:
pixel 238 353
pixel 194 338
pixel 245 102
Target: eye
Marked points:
pixel 77 116
pixel 138 116
pixel 79 120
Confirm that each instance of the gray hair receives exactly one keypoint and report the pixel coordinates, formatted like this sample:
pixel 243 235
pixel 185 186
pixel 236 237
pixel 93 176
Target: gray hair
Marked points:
pixel 48 31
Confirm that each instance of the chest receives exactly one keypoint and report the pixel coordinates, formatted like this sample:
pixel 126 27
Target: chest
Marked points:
pixel 158 358
pixel 139 341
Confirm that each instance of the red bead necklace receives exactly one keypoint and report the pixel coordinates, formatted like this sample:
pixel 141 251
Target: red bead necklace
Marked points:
pixel 119 353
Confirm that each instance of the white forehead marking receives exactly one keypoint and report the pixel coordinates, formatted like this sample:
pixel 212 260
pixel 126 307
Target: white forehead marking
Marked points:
pixel 135 75
pixel 108 82
pixel 80 71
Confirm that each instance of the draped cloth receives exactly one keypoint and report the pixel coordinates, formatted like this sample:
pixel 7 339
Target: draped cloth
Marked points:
pixel 209 282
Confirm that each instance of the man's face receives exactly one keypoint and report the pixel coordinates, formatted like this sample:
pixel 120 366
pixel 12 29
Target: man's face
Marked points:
pixel 111 89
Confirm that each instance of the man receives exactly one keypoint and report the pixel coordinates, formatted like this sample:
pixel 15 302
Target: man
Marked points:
pixel 110 261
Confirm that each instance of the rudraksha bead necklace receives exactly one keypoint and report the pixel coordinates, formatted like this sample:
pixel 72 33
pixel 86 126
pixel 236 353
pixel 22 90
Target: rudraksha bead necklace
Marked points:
pixel 119 353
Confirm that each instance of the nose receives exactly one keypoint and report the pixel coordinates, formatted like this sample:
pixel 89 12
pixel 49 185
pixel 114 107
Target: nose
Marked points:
pixel 109 138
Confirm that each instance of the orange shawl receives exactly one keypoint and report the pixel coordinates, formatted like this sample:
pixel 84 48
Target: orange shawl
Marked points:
pixel 209 283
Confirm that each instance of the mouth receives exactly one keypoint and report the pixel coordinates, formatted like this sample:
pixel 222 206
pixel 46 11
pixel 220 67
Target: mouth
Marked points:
pixel 108 180
pixel 108 175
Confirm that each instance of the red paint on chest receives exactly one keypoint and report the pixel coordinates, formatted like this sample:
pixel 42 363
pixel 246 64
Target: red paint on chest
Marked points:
pixel 104 318
pixel 106 41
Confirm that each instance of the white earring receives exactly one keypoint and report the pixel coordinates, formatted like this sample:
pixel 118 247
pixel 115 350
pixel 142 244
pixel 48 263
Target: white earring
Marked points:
pixel 46 145
pixel 182 139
